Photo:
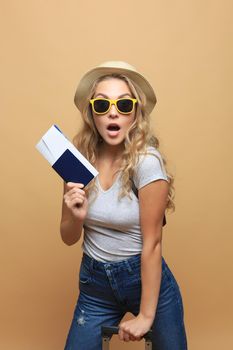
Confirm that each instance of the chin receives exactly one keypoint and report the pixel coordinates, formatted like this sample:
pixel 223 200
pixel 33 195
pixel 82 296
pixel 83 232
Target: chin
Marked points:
pixel 115 142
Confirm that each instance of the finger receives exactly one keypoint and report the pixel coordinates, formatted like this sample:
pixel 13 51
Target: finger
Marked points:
pixel 75 184
pixel 76 189
pixel 76 195
pixel 77 201
pixel 138 338
pixel 133 338
pixel 73 203
pixel 74 192
pixel 126 337
pixel 123 335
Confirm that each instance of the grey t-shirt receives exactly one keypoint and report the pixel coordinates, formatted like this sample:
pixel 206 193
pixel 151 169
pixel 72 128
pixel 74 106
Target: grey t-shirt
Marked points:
pixel 112 228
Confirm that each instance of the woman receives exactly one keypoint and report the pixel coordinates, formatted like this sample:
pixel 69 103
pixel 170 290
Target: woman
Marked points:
pixel 122 268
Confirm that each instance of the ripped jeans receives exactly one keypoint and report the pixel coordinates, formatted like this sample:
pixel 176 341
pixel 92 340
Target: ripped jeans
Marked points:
pixel 109 290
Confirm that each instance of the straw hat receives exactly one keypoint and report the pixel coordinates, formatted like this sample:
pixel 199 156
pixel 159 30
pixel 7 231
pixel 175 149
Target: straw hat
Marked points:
pixel 114 67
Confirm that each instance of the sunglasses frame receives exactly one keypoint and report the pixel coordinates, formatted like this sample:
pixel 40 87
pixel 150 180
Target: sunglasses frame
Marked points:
pixel 113 102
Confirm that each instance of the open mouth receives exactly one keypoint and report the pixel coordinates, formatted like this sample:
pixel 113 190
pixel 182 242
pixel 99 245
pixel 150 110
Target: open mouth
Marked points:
pixel 113 127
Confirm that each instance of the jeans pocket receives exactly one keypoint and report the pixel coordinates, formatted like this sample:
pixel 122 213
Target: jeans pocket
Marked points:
pixel 84 275
pixel 171 278
pixel 132 279
pixel 167 283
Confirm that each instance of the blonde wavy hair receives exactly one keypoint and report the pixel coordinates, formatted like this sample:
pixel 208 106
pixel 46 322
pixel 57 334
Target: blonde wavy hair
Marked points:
pixel 138 138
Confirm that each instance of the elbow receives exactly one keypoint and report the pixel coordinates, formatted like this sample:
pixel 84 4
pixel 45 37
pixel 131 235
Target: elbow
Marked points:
pixel 68 243
pixel 154 247
pixel 152 240
pixel 70 233
pixel 157 248
pixel 68 239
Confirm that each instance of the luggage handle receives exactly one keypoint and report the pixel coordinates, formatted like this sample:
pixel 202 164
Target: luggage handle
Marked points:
pixel 108 331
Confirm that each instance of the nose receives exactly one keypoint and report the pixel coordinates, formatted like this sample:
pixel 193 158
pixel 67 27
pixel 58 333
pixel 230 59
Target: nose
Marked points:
pixel 113 111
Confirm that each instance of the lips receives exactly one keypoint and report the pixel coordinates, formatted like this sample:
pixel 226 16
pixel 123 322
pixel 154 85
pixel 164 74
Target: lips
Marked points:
pixel 113 130
pixel 113 127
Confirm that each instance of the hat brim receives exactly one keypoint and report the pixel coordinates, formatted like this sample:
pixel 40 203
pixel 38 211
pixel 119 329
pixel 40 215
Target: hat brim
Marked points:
pixel 88 79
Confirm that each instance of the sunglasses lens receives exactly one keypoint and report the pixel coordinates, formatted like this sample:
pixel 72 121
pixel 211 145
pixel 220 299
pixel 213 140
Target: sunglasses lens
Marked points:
pixel 101 106
pixel 125 105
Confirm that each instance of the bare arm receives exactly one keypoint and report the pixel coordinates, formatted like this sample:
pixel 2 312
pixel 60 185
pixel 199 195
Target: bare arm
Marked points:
pixel 153 200
pixel 152 203
pixel 74 210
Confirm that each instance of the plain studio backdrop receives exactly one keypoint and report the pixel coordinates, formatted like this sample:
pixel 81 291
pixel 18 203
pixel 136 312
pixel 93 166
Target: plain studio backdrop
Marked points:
pixel 185 50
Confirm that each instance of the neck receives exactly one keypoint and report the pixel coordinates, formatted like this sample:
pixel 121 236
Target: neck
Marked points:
pixel 112 153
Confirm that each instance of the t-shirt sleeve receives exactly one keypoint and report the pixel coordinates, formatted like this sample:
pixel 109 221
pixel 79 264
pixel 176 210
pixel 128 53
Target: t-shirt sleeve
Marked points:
pixel 150 168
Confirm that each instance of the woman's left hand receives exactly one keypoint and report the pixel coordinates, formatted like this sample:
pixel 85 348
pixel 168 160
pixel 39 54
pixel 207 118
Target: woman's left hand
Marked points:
pixel 135 328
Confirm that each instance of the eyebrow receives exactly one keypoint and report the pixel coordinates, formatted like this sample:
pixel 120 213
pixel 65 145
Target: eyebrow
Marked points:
pixel 126 94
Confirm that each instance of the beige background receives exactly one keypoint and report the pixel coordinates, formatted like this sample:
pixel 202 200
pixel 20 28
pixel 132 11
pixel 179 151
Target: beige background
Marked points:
pixel 185 49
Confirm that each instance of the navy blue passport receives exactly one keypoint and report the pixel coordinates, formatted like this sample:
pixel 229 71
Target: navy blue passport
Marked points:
pixel 64 157
pixel 71 169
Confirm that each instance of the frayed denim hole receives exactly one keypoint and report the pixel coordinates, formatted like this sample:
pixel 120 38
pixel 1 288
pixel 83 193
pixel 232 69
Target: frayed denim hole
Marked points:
pixel 81 318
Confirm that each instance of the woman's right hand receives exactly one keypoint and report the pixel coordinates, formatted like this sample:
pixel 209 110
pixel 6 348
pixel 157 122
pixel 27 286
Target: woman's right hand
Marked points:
pixel 75 200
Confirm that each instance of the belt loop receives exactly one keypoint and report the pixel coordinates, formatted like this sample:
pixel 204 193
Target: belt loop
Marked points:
pixel 91 265
pixel 129 268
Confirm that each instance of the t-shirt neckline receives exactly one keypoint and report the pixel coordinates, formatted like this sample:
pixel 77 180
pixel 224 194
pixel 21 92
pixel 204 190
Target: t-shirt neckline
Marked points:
pixel 110 188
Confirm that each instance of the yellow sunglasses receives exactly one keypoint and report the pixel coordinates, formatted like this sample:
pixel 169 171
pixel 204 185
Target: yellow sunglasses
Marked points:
pixel 103 105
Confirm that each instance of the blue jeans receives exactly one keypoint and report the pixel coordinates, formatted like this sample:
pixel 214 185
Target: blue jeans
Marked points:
pixel 109 290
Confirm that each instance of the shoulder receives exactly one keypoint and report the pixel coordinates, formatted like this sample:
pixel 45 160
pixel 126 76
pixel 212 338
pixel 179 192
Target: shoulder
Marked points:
pixel 149 168
pixel 151 153
pixel 151 158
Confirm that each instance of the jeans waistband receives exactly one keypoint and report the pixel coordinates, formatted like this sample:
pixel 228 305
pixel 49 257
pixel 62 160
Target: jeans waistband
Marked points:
pixel 126 263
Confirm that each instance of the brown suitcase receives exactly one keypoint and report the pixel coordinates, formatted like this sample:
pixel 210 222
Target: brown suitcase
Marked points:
pixel 108 331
